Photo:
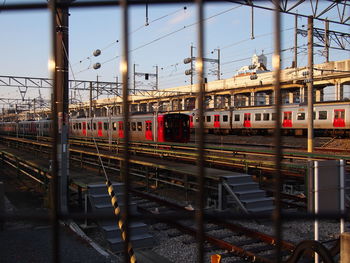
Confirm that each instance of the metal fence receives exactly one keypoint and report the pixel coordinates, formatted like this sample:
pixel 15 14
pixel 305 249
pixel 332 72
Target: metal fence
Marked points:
pixel 60 103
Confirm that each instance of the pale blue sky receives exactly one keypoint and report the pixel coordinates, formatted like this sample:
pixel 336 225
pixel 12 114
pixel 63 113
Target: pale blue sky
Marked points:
pixel 25 44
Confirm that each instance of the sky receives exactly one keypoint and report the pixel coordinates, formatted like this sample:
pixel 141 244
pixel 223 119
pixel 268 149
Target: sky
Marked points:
pixel 165 42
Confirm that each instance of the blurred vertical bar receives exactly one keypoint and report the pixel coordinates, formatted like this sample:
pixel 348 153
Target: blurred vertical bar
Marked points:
pixel 124 68
pixel 54 118
pixel 200 131
pixel 278 152
pixel 310 101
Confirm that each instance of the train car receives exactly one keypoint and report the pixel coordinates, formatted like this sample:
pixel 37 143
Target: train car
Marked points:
pixel 329 118
pixel 173 127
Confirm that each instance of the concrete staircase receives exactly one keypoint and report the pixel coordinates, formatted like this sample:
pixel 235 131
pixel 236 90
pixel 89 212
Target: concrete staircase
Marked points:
pixel 101 203
pixel 240 191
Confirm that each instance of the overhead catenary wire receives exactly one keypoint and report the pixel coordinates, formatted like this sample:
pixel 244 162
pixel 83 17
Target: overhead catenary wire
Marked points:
pixel 137 29
pixel 167 35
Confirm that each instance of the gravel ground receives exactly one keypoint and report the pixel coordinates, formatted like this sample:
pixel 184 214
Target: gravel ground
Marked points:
pixel 179 249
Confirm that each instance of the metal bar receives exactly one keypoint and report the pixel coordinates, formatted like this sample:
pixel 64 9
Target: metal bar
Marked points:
pixel 200 131
pixel 278 151
pixel 125 80
pixel 54 183
pixel 342 194
pixel 310 106
pixel 316 233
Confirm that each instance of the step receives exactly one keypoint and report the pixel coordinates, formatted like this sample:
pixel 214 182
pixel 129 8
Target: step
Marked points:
pixel 250 194
pixel 139 241
pixel 244 186
pixel 107 207
pixel 263 209
pixel 239 178
pixel 258 202
pixel 136 228
pixel 101 188
pixel 104 198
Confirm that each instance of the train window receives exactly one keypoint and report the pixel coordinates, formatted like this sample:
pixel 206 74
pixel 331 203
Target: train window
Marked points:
pixel 273 116
pixel 114 125
pixel 301 116
pixel 150 126
pixel 225 118
pixel 314 115
pixel 88 126
pixel 94 126
pixel 237 117
pixel 266 116
pixel 139 126
pixel 339 114
pixel 79 126
pixel 133 126
pixel 258 116
pixel 322 115
pixel 216 118
pixel 105 126
pixel 208 118
pixel 128 126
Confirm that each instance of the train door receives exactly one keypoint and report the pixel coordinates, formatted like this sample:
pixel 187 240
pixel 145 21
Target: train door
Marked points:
pixel 84 128
pixel 246 123
pixel 339 116
pixel 148 131
pixel 216 121
pixel 120 130
pixel 287 119
pixel 160 129
pixel 99 127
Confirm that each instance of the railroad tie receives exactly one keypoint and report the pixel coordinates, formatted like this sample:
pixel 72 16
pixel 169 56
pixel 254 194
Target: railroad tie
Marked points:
pixel 121 224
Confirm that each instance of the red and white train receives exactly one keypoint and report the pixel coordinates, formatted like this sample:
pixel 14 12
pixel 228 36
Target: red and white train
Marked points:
pixel 169 127
pixel 329 118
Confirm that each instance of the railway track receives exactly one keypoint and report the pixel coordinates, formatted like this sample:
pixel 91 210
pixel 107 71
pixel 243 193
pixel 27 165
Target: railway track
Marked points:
pixel 294 163
pixel 234 242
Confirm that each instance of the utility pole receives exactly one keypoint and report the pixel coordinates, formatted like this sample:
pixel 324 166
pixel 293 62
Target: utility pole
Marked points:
pixel 326 39
pixel 60 103
pixel 296 42
pixel 97 91
pixel 157 78
pixel 310 106
pixel 90 108
pixel 192 47
pixel 134 78
pixel 252 24
pixel 218 62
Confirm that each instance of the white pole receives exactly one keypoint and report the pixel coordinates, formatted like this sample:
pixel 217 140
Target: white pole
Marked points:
pixel 316 234
pixel 342 195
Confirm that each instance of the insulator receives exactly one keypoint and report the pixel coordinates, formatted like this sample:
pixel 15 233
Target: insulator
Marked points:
pixel 188 72
pixel 187 60
pixel 97 52
pixel 254 76
pixel 252 66
pixel 96 65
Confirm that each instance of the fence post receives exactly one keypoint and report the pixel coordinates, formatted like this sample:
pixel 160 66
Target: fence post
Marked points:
pixel 345 247
pixel 2 204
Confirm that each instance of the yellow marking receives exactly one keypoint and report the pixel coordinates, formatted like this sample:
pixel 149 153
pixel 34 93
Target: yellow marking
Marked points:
pixel 309 145
pixel 124 235
pixel 120 223
pixel 114 200
pixel 133 259
pixel 117 211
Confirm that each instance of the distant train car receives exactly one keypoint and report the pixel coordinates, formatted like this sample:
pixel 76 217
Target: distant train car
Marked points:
pixel 172 127
pixel 329 118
